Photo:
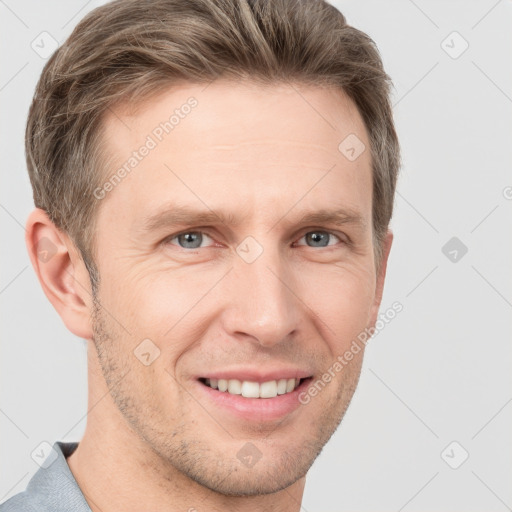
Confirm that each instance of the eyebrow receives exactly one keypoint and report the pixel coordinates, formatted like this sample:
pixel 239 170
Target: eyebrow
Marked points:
pixel 183 215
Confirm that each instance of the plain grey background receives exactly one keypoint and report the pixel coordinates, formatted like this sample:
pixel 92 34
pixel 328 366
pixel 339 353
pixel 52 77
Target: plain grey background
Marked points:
pixel 436 382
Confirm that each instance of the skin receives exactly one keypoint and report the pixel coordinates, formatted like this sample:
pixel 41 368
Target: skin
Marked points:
pixel 265 155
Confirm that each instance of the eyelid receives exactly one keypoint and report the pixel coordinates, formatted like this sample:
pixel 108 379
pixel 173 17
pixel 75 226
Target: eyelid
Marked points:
pixel 202 231
pixel 343 238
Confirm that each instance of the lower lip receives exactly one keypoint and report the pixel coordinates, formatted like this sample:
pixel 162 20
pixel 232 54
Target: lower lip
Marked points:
pixel 256 409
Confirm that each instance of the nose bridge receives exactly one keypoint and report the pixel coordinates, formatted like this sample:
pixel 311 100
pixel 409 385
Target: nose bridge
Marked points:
pixel 264 307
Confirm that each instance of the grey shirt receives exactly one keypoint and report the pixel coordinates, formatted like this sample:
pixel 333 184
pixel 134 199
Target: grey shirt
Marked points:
pixel 52 488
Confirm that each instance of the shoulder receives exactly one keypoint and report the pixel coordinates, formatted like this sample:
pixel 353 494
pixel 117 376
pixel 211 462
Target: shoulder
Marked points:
pixel 52 488
pixel 23 501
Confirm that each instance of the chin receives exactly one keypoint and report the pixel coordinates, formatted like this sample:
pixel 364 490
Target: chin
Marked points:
pixel 252 481
pixel 277 468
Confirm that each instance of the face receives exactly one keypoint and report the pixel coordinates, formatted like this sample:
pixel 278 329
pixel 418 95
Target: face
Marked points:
pixel 236 252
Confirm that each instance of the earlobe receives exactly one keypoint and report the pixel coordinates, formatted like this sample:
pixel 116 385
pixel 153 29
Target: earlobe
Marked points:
pixel 61 272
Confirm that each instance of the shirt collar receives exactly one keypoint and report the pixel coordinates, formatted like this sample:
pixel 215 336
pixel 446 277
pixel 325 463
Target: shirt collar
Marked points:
pixel 54 484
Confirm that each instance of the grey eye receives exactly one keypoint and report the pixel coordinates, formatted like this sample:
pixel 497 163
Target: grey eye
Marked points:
pixel 191 240
pixel 318 238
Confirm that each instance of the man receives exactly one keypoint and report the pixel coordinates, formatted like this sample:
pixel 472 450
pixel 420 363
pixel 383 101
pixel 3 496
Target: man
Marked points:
pixel 213 184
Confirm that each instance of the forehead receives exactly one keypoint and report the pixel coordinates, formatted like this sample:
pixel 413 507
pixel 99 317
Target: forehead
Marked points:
pixel 257 143
pixel 228 113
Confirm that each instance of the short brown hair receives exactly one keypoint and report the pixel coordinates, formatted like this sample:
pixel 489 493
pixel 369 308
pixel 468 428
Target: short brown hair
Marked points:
pixel 129 49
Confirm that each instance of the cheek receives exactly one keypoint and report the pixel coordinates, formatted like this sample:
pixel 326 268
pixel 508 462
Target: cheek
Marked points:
pixel 164 305
pixel 342 302
pixel 173 307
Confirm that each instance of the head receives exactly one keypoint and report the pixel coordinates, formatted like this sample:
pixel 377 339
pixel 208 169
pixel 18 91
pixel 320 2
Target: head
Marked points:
pixel 187 160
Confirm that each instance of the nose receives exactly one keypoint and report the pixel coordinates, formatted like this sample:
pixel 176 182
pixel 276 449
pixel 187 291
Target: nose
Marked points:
pixel 263 305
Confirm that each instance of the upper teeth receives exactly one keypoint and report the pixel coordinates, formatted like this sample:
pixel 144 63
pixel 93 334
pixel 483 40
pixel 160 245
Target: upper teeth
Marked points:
pixel 250 389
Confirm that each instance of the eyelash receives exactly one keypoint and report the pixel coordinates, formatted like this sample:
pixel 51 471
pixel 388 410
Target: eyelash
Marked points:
pixel 173 237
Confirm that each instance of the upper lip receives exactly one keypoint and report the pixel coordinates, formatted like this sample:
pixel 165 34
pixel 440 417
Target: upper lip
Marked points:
pixel 257 375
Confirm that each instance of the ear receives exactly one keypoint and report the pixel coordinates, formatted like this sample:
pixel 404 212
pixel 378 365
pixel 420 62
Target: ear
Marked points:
pixel 381 276
pixel 61 272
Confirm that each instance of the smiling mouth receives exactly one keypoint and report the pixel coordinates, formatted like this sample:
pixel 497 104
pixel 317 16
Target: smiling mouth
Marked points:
pixel 251 389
